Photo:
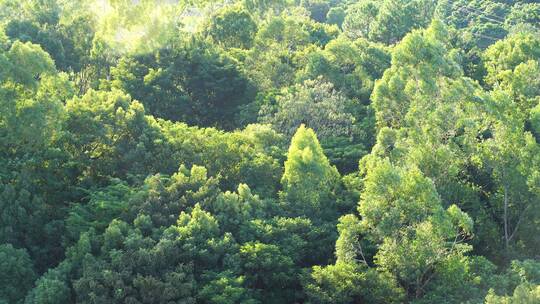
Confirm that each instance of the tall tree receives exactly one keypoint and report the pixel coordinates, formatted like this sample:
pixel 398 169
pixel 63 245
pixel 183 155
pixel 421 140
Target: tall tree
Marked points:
pixel 421 65
pixel 309 181
pixel 402 211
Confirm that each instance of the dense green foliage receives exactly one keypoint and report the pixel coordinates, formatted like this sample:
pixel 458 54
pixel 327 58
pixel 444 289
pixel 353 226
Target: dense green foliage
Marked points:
pixel 256 151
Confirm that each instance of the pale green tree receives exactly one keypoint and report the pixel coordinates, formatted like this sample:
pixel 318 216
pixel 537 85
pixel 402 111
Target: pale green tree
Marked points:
pixel 309 181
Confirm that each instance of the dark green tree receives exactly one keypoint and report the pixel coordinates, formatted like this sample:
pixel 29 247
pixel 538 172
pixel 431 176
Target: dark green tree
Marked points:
pixel 233 27
pixel 190 82
pixel 16 274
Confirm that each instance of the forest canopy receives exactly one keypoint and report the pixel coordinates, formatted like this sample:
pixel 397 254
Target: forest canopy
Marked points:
pixel 260 152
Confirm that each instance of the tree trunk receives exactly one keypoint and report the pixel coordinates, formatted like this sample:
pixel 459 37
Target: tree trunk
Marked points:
pixel 506 236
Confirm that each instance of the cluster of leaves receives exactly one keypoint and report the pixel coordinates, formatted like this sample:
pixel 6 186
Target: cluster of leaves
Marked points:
pixel 256 151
